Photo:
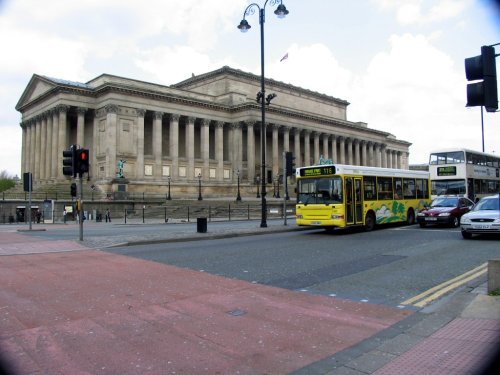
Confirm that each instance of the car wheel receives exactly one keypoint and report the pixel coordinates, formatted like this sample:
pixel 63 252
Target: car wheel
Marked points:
pixel 369 221
pixel 455 222
pixel 466 235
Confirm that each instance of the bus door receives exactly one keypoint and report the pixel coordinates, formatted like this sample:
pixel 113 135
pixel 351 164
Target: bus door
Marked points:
pixel 349 201
pixel 358 201
pixel 353 201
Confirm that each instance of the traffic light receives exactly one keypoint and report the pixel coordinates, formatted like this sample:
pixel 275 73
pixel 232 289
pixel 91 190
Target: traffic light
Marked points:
pixel 483 68
pixel 289 163
pixel 73 189
pixel 82 161
pixel 69 162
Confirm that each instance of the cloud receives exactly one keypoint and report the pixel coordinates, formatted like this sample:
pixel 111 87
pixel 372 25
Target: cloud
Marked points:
pixel 411 12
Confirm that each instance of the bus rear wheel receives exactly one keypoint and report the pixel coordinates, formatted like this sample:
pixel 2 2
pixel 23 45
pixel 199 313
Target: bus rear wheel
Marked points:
pixel 410 217
pixel 369 221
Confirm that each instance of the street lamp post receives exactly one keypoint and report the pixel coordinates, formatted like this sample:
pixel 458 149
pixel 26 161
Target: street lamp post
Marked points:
pixel 238 196
pixel 258 182
pixel 200 198
pixel 169 197
pixel 244 26
pixel 278 186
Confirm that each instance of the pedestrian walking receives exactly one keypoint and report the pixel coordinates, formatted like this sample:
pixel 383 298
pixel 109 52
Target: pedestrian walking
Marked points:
pixel 64 215
pixel 108 215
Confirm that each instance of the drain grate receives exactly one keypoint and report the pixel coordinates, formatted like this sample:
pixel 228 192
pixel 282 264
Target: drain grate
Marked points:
pixel 236 312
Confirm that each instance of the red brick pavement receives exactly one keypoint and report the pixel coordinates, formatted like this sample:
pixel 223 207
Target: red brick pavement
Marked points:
pixel 90 312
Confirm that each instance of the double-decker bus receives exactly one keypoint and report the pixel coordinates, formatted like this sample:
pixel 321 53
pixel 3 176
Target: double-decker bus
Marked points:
pixel 464 172
pixel 340 196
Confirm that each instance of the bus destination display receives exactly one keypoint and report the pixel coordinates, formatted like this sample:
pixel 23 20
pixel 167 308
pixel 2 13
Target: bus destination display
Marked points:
pixel 447 171
pixel 317 171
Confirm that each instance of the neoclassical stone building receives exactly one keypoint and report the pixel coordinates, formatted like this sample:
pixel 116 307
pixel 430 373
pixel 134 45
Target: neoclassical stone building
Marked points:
pixel 207 125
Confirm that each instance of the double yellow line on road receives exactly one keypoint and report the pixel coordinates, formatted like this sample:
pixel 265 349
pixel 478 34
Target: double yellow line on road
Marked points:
pixel 441 289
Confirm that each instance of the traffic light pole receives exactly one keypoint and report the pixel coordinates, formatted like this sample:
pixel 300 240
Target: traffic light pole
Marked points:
pixel 80 215
pixel 285 185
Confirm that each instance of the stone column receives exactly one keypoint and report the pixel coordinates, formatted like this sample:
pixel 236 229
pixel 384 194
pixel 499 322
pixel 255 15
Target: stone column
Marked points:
pixel 394 159
pixel 369 154
pixel 24 147
pixel 342 149
pixel 383 151
pixel 80 126
pixel 378 153
pixel 157 144
pixel 190 147
pixel 48 148
pixel 38 142
pixel 357 159
pixel 55 144
pixel 275 150
pixel 307 148
pixel 238 151
pixel 219 149
pixel 140 143
pixel 43 144
pixel 174 145
pixel 316 147
pixel 286 138
pixel 296 141
pixel 62 142
pixel 110 148
pixel 326 153
pixel 94 146
pixel 363 152
pixel 250 152
pixel 205 147
pixel 335 157
pixel 32 143
pixel 398 155
pixel 350 159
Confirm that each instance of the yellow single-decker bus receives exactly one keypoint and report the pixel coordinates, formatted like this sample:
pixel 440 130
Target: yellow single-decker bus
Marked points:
pixel 341 196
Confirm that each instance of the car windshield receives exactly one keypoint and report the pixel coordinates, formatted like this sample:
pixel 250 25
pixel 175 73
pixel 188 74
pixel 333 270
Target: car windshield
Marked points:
pixel 488 204
pixel 444 202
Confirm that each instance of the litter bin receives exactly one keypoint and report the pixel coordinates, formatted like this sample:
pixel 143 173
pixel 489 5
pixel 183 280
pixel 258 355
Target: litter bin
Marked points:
pixel 201 225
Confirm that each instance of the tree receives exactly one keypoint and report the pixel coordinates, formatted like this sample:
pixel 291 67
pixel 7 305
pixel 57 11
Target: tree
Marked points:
pixel 6 181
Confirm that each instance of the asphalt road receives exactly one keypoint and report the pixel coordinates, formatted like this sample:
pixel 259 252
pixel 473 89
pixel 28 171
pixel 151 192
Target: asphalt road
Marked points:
pixel 386 266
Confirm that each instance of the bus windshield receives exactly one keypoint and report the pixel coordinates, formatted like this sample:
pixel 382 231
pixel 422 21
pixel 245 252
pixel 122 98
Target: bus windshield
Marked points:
pixel 320 190
pixel 445 187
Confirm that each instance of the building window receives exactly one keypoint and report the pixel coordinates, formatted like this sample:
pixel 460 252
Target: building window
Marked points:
pixel 148 170
pixel 166 170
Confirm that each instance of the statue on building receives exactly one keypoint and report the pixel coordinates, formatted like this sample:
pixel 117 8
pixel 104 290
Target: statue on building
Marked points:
pixel 120 174
pixel 324 161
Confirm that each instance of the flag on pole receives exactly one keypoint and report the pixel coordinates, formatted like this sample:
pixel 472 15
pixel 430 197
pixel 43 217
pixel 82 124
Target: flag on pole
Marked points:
pixel 284 57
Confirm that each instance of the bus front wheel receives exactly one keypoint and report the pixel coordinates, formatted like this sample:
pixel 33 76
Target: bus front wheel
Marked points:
pixel 369 221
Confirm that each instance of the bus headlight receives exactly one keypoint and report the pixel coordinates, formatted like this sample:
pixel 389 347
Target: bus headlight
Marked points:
pixel 299 216
pixel 337 217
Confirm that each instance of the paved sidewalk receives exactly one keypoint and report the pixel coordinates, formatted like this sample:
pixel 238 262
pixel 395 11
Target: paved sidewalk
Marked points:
pixel 456 335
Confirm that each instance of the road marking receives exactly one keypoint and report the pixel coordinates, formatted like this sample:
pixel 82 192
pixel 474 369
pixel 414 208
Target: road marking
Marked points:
pixel 439 290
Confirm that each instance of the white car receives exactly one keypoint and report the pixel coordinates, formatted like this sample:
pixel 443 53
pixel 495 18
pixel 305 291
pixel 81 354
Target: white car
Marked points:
pixel 484 217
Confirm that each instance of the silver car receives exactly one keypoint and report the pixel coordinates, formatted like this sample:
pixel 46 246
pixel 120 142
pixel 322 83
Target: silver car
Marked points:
pixel 484 218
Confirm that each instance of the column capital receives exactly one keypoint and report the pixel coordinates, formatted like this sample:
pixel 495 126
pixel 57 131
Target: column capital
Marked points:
pixel 175 116
pixel 205 122
pixel 191 119
pixel 81 110
pixel 111 108
pixel 140 112
pixel 158 115
pixel 219 124
pixel 62 108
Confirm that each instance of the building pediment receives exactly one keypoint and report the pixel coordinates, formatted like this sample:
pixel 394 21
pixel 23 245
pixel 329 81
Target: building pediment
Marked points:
pixel 37 87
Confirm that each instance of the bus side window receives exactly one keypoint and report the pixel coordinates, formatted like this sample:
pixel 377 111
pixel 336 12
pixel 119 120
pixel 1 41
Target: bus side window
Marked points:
pixel 369 186
pixel 409 188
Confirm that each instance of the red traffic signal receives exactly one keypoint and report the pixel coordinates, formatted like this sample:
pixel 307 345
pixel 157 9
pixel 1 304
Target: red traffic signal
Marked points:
pixel 82 161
